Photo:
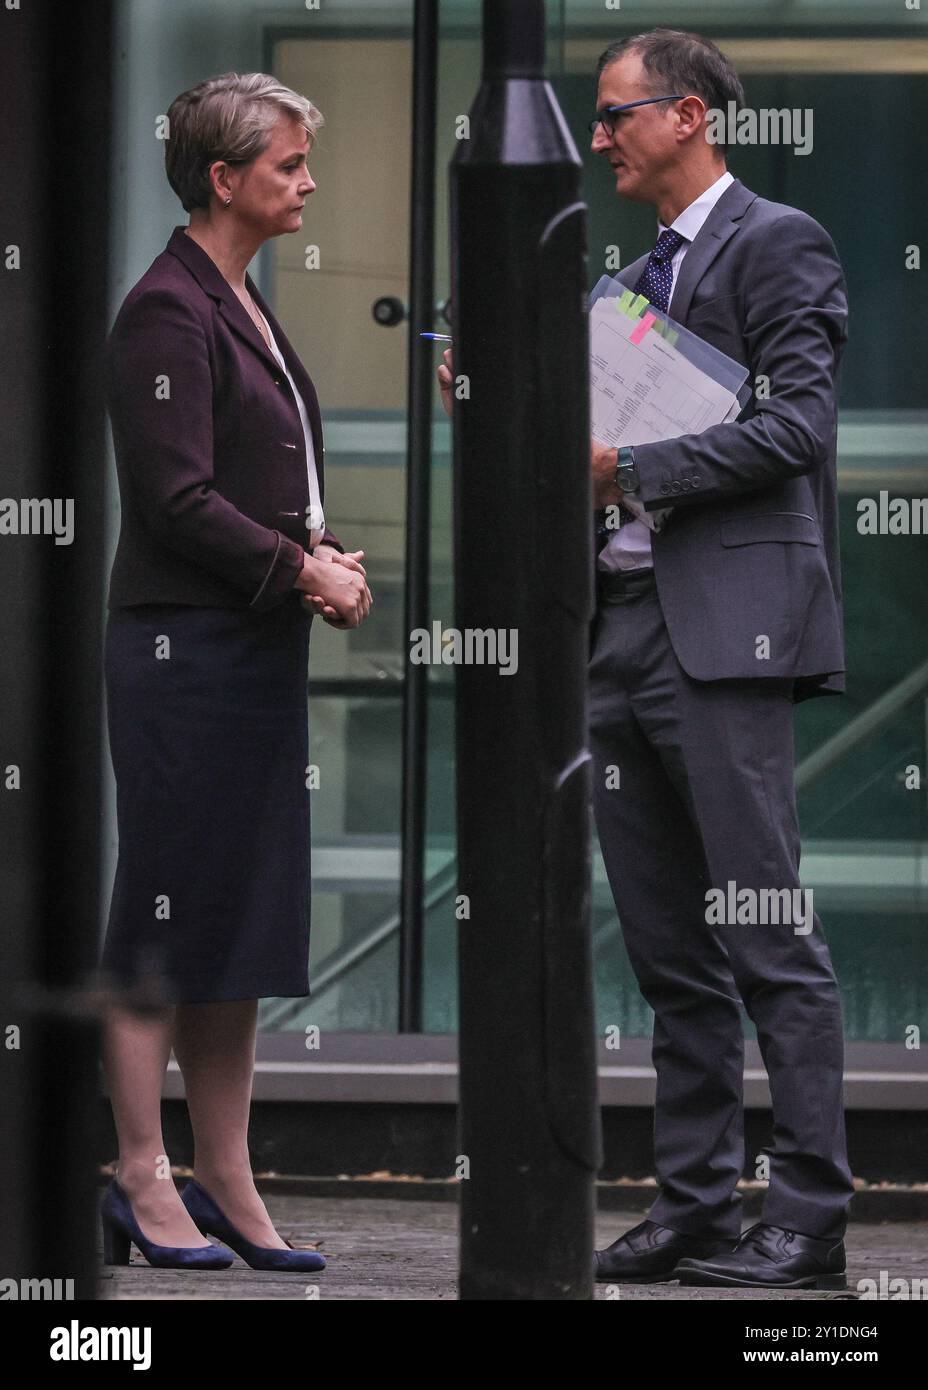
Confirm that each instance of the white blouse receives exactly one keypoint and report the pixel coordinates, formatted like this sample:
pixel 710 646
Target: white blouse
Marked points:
pixel 315 515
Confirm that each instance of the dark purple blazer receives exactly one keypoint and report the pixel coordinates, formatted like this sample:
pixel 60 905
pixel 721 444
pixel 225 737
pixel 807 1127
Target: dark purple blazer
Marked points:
pixel 209 446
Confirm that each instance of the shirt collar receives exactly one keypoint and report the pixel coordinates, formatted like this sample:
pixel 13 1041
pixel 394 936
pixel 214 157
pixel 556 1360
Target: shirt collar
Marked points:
pixel 691 218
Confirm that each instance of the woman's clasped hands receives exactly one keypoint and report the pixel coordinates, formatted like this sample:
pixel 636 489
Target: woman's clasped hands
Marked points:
pixel 334 585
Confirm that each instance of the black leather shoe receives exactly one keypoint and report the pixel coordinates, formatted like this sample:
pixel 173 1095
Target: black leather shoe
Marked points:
pixel 649 1254
pixel 771 1257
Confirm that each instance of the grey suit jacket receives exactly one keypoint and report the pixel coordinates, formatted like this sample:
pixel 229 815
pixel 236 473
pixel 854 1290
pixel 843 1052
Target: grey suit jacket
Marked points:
pixel 747 567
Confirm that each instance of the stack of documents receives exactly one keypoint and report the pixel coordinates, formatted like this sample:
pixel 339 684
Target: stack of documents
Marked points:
pixel 650 378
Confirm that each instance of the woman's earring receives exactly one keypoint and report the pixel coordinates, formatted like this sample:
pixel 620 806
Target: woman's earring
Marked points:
pixel 228 200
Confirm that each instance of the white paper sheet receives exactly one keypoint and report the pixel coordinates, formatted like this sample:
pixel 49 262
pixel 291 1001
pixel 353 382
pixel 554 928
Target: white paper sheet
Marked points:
pixel 647 391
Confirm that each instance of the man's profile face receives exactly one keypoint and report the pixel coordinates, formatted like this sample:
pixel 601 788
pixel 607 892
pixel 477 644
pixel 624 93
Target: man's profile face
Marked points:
pixel 642 147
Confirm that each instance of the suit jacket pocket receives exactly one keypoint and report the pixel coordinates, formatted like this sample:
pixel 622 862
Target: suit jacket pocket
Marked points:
pixel 717 301
pixel 770 526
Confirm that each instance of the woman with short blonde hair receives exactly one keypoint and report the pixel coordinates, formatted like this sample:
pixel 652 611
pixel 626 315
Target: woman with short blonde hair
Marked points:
pixel 224 557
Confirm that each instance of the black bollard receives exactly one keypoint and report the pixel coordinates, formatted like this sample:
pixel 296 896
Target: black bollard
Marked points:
pixel 529 1121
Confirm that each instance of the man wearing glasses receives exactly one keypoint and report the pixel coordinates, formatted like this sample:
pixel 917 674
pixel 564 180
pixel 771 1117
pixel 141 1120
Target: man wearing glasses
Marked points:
pixel 719 606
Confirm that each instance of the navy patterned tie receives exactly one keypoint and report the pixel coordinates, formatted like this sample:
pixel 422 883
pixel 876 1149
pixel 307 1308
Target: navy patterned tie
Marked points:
pixel 656 279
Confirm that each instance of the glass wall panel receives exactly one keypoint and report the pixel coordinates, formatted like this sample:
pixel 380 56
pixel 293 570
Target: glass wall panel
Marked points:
pixel 354 252
pixel 861 70
pixel 861 759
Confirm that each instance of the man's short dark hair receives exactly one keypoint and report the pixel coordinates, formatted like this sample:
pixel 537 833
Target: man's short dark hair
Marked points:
pixel 677 61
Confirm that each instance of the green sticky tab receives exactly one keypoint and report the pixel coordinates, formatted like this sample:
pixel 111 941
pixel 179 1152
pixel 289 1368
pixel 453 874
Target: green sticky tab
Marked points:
pixel 669 335
pixel 638 307
pixel 623 302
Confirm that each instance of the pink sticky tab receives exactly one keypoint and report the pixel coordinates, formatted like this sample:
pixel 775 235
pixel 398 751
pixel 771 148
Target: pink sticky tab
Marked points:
pixel 643 325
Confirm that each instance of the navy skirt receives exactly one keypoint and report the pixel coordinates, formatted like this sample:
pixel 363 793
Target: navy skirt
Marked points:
pixel 208 729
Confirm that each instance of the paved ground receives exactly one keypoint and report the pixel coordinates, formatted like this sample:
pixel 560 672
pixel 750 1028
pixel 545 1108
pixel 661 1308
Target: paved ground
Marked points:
pixel 394 1249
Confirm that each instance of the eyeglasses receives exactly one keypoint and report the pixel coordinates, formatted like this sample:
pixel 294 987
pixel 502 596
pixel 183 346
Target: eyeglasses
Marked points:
pixel 606 117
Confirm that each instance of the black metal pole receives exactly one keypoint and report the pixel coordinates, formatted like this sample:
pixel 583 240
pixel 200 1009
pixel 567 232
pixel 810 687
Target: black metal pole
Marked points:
pixel 54 190
pixel 418 510
pixel 529 1121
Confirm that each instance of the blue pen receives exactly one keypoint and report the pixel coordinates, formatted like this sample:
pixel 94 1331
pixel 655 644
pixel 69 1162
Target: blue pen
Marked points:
pixel 437 337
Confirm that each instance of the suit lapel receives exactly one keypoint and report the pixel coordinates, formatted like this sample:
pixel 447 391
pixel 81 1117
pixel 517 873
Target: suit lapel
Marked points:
pixel 210 278
pixel 302 378
pixel 718 228
pixel 631 274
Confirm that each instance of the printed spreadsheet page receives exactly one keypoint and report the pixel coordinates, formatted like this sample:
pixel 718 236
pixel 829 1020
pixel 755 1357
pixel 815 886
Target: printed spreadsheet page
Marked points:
pixel 642 389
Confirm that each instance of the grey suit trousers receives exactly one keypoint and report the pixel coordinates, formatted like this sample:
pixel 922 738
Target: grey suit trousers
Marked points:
pixel 705 798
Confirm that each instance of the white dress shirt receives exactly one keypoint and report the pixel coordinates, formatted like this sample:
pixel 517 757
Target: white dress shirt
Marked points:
pixel 630 547
pixel 314 516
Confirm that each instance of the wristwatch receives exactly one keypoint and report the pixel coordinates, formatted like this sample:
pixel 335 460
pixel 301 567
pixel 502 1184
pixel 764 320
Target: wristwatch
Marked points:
pixel 626 474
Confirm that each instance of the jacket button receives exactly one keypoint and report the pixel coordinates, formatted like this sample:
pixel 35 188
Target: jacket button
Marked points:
pixel 665 488
pixel 674 486
pixel 696 480
pixel 687 484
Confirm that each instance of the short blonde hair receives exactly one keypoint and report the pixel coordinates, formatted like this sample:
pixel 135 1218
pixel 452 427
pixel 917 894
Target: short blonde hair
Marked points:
pixel 229 118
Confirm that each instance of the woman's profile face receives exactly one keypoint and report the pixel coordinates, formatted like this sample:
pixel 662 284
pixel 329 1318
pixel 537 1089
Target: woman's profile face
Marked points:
pixel 269 191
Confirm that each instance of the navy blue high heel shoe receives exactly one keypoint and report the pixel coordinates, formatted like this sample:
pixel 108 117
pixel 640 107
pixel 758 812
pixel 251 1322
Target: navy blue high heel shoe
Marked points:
pixel 120 1229
pixel 213 1222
